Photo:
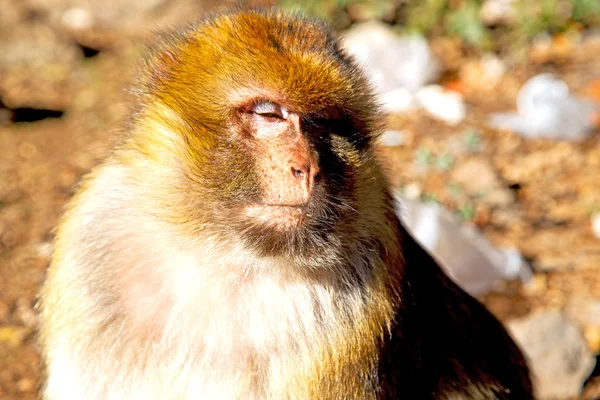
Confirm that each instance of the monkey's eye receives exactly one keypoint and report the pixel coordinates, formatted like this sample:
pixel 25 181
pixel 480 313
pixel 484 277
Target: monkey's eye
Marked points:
pixel 270 110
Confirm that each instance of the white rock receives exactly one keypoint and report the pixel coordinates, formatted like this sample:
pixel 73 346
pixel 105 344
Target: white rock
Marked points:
pixel 596 225
pixel 393 138
pixel 493 68
pixel 477 177
pixel 584 310
pixel 466 256
pixel 497 11
pixel 398 100
pixel 45 249
pixel 412 191
pixel 547 109
pixel 77 18
pixel 445 105
pixel 391 61
pixel 559 359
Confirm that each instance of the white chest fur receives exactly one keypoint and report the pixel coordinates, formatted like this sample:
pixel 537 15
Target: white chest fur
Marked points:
pixel 236 329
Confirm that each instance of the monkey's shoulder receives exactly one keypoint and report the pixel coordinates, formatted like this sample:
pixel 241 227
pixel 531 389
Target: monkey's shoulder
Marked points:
pixel 445 344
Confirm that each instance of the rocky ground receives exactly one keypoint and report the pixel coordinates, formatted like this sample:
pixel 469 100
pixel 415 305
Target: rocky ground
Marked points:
pixel 63 67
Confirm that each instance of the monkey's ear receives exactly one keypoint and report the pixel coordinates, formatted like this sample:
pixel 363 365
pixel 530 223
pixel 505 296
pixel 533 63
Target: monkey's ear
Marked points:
pixel 162 66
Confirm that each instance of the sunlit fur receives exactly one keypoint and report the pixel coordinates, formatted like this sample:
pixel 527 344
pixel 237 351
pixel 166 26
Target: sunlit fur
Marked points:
pixel 171 290
pixel 167 283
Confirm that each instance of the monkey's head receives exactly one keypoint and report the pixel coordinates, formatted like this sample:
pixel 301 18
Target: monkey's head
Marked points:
pixel 271 123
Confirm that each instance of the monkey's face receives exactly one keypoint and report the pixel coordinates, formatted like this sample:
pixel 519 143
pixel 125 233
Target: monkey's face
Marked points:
pixel 288 165
pixel 301 180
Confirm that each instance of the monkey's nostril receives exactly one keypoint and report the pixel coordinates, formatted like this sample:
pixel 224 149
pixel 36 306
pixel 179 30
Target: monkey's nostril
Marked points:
pixel 317 177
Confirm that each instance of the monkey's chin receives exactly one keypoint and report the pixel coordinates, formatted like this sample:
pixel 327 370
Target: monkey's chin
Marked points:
pixel 281 218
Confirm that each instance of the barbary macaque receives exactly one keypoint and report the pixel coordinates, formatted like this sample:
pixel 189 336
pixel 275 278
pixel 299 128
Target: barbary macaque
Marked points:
pixel 241 242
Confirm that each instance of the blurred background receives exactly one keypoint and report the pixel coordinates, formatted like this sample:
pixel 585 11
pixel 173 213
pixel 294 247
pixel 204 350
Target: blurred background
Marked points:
pixel 492 146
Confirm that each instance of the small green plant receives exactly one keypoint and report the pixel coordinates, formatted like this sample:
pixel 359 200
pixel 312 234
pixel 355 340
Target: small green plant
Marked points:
pixel 466 212
pixel 331 9
pixel 430 198
pixel 455 189
pixel 536 17
pixel 463 18
pixel 322 9
pixel 593 210
pixel 425 156
pixel 425 16
pixel 445 161
pixel 473 140
pixel 586 11
pixel 466 23
pixel 531 17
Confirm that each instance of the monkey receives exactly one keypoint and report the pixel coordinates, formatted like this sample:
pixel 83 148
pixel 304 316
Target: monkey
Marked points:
pixel 240 242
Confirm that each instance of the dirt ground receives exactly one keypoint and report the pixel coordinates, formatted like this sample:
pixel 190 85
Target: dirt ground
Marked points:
pixel 62 93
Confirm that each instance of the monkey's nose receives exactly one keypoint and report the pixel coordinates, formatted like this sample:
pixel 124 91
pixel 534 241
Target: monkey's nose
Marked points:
pixel 306 174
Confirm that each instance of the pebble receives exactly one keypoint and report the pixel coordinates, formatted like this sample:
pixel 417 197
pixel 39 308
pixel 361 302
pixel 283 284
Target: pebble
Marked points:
pixel 397 101
pixel 445 105
pixel 9 239
pixel 596 225
pixel 412 191
pixel 493 69
pixel 15 336
pixel 557 353
pixel 494 12
pixel 592 337
pixel 25 385
pixel 479 179
pixel 393 138
pixel 45 249
pixel 585 311
pixel 77 18
pixel 462 251
pixel 25 313
pixel 391 61
pixel 536 286
pixel 4 312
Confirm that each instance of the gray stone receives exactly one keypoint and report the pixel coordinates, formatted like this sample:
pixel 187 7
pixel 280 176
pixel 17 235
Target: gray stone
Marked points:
pixel 558 356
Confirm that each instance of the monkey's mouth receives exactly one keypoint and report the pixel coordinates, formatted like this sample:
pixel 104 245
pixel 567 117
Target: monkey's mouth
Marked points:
pixel 276 229
pixel 305 205
pixel 279 216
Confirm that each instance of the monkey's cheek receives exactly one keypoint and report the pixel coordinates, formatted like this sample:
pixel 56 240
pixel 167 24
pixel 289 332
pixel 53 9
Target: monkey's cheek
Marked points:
pixel 281 218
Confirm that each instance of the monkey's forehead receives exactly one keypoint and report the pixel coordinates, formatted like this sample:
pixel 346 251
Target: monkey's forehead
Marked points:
pixel 285 57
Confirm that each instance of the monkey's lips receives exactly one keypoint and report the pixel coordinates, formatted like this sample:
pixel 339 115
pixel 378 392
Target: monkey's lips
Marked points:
pixel 278 216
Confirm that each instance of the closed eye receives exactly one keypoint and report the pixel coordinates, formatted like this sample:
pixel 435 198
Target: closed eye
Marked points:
pixel 269 109
pixel 270 115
